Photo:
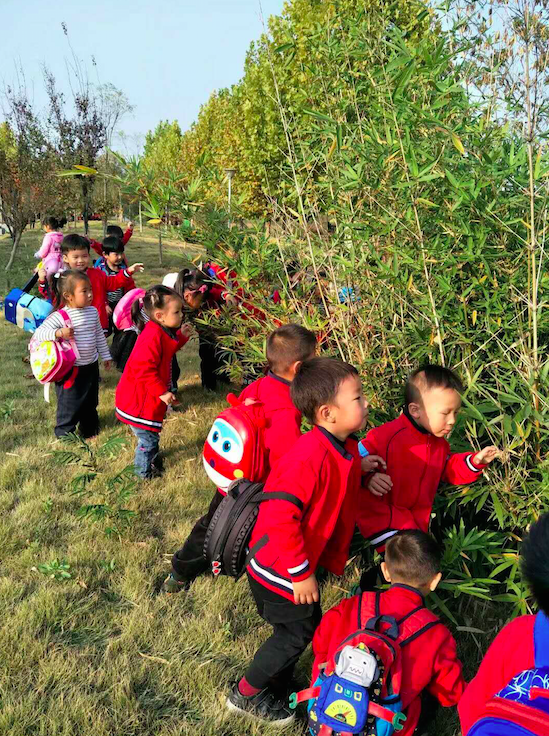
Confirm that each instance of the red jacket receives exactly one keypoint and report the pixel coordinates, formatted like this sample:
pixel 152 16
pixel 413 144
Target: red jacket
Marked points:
pixel 417 462
pixel 511 652
pixel 98 247
pixel 101 284
pixel 429 661
pixel 146 377
pixel 315 526
pixel 283 421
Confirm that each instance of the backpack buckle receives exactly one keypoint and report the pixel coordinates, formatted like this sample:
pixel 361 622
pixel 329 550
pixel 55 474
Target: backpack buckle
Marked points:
pixel 398 721
pixel 293 700
pixel 216 567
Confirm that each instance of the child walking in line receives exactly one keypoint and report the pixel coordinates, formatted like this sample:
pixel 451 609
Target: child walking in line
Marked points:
pixel 78 396
pixel 143 393
pixel 111 263
pixel 50 250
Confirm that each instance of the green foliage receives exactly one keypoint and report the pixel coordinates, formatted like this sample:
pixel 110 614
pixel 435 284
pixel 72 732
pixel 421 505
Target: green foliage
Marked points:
pixel 58 570
pixel 103 496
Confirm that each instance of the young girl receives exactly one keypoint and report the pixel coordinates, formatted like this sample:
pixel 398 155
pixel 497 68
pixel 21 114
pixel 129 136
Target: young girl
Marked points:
pixel 50 250
pixel 78 396
pixel 143 393
pixel 124 340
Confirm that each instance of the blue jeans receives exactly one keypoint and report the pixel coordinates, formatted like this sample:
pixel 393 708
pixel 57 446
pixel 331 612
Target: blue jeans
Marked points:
pixel 146 451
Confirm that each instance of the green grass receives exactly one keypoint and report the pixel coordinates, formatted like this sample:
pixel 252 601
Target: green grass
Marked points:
pixel 101 652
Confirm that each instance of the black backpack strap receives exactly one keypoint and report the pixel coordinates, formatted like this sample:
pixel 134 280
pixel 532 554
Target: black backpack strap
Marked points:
pixel 360 610
pixel 374 623
pixel 418 633
pixel 411 613
pixel 378 603
pixel 282 496
pixel 30 283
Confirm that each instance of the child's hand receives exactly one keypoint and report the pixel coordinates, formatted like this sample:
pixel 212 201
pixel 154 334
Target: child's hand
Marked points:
pixel 306 591
pixel 64 333
pixel 380 484
pixel 485 457
pixel 168 398
pixel 109 310
pixel 130 224
pixel 107 364
pixel 372 462
pixel 186 329
pixel 136 267
pixel 42 275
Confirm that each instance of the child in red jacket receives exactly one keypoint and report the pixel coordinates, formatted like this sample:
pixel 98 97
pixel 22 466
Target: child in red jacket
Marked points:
pixel 287 348
pixel 76 256
pixel 516 649
pixel 418 457
pixel 143 393
pixel 321 475
pixel 429 656
pixel 116 231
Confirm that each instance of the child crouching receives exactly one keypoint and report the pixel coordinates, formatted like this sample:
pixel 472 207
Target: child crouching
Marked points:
pixel 143 395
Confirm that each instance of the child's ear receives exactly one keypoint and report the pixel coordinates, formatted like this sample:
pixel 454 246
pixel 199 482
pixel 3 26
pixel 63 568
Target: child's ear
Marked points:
pixel 324 413
pixel 414 410
pixel 385 571
pixel 434 582
pixel 158 315
pixel 295 367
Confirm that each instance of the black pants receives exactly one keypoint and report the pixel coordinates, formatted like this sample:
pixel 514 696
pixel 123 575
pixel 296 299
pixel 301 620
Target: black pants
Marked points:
pixel 188 562
pixel 77 405
pixel 293 629
pixel 211 361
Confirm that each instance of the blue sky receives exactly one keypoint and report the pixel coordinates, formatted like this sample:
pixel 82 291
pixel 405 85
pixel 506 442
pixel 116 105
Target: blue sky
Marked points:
pixel 167 56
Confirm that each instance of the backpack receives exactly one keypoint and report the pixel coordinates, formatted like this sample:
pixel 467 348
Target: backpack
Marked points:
pixel 53 360
pixel 358 690
pixel 521 708
pixel 229 531
pixel 122 315
pixel 235 445
pixel 26 311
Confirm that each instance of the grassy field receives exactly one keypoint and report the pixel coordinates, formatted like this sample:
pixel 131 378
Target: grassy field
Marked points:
pixel 101 652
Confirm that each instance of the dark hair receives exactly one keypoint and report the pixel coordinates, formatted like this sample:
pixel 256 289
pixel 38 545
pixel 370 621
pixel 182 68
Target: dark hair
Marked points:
pixel 74 242
pixel 317 382
pixel 426 378
pixel 65 283
pixel 156 298
pixel 62 222
pixel 115 230
pixel 287 345
pixel 52 222
pixel 412 557
pixel 112 244
pixel 190 280
pixel 535 561
pixel 137 314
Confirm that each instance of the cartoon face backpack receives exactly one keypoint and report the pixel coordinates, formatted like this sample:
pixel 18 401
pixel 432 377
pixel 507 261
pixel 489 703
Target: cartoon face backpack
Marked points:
pixel 358 689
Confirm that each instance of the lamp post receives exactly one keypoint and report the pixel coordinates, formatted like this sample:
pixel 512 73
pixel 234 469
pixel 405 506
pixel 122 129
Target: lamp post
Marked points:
pixel 230 173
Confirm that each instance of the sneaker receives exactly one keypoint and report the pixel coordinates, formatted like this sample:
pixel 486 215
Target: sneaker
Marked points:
pixel 171 585
pixel 265 705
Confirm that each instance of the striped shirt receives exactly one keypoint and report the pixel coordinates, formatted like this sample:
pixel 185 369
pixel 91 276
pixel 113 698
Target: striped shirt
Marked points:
pixel 88 333
pixel 113 297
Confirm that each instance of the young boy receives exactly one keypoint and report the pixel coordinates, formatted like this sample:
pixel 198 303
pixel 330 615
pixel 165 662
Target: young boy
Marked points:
pixel 76 255
pixel 111 263
pixel 418 457
pixel 321 475
pixel 521 644
pixel 429 659
pixel 117 232
pixel 287 348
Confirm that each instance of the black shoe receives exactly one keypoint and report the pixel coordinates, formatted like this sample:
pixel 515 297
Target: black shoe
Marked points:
pixel 265 705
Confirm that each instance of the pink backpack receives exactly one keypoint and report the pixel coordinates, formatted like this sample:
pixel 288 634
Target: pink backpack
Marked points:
pixel 53 360
pixel 122 315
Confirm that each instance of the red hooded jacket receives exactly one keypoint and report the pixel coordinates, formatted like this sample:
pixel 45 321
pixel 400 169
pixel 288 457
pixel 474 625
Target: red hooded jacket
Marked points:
pixel 316 526
pixel 417 462
pixel 283 421
pixel 511 652
pixel 98 247
pixel 146 377
pixel 428 661
pixel 101 284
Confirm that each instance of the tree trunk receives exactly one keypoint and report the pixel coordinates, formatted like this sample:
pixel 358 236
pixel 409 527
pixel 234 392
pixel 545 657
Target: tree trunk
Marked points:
pixel 160 245
pixel 16 240
pixel 140 218
pixel 86 198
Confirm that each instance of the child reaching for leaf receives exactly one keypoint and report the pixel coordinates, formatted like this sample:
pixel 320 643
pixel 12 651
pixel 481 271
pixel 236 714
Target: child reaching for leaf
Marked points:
pixel 77 395
pixel 143 393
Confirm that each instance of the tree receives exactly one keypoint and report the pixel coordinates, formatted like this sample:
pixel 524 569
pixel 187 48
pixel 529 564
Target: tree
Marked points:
pixel 79 139
pixel 24 165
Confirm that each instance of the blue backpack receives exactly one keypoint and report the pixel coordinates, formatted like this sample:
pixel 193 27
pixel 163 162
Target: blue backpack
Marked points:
pixel 521 708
